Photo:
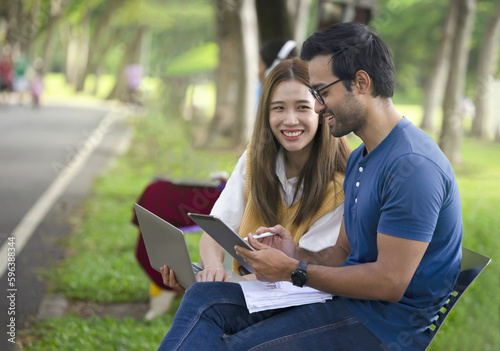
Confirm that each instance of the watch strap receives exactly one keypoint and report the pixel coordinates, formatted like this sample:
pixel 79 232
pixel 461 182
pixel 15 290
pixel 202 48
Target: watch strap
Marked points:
pixel 299 276
pixel 302 266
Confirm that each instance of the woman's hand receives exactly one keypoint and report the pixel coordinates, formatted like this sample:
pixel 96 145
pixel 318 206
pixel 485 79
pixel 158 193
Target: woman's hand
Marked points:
pixel 212 274
pixel 169 280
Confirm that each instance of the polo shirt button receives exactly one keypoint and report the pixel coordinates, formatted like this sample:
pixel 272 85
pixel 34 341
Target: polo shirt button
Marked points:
pixel 361 169
pixel 356 200
pixel 357 184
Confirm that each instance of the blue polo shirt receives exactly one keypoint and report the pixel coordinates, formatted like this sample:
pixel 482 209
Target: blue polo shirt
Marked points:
pixel 406 188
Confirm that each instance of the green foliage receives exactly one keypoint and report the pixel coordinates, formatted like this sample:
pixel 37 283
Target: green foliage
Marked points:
pixel 76 10
pixel 174 27
pixel 194 25
pixel 413 30
pixel 151 13
pixel 203 58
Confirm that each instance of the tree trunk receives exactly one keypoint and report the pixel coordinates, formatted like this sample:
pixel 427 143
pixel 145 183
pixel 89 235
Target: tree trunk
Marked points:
pixel 274 20
pixel 175 89
pixel 487 64
pixel 23 24
pixel 299 11
pixel 101 27
pixel 283 19
pixel 53 21
pixel 83 53
pixel 71 58
pixel 246 107
pixel 452 130
pixel 496 108
pixel 34 26
pixel 132 55
pixel 237 71
pixel 436 83
pixel 14 35
pixel 96 66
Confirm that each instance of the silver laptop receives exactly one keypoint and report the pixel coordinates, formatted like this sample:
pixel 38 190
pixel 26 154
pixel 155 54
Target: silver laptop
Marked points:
pixel 165 245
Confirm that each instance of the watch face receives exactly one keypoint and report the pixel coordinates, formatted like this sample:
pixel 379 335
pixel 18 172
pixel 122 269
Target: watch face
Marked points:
pixel 299 278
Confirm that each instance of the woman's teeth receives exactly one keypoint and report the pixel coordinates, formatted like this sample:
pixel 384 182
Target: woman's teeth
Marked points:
pixel 292 134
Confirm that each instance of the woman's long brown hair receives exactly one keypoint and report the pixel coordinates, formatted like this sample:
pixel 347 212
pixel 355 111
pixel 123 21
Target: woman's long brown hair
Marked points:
pixel 328 154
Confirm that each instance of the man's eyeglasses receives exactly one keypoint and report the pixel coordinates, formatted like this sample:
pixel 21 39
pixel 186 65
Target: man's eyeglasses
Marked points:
pixel 316 92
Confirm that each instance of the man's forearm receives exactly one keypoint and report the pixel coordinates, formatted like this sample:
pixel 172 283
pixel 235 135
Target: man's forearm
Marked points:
pixel 364 281
pixel 385 279
pixel 333 256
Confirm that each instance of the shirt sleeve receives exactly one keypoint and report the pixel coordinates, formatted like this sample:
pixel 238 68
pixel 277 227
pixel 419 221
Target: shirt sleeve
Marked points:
pixel 324 232
pixel 231 202
pixel 412 197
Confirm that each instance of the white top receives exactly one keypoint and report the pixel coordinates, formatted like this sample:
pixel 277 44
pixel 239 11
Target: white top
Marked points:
pixel 231 204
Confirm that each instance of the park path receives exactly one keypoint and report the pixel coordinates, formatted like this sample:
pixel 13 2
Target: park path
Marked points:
pixel 49 158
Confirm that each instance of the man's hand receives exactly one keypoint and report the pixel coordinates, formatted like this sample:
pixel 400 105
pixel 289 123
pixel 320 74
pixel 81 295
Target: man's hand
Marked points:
pixel 268 264
pixel 282 241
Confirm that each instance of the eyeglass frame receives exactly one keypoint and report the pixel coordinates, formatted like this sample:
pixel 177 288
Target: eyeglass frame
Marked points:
pixel 316 92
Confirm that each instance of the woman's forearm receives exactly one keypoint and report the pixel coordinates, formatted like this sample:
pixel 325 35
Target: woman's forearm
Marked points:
pixel 211 253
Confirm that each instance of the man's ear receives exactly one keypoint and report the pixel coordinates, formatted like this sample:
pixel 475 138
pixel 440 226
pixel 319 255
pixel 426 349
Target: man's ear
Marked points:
pixel 362 81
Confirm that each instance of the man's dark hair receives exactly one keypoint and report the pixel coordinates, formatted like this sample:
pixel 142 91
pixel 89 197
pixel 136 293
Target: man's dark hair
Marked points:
pixel 354 47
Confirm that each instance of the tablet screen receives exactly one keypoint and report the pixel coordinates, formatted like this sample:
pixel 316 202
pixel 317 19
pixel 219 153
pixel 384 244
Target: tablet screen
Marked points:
pixel 223 234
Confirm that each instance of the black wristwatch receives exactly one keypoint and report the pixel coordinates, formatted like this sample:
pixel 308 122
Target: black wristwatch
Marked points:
pixel 299 276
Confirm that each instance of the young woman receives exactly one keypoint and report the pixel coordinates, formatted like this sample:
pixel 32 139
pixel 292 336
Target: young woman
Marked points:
pixel 291 174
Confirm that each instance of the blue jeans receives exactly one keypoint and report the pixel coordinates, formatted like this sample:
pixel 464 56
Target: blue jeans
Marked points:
pixel 214 316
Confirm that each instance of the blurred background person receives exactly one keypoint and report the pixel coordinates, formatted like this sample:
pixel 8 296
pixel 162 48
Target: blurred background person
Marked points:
pixel 6 77
pixel 37 86
pixel 133 73
pixel 20 84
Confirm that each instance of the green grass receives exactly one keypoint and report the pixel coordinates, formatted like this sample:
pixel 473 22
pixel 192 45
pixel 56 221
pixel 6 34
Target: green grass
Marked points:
pixel 105 236
pixel 101 266
pixel 102 247
pixel 474 323
pixel 71 333
pixel 56 87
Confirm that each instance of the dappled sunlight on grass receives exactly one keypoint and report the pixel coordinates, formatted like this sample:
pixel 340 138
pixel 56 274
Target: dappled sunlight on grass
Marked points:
pixel 56 88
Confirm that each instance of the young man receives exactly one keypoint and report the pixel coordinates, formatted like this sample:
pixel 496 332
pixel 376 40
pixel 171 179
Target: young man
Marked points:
pixel 398 254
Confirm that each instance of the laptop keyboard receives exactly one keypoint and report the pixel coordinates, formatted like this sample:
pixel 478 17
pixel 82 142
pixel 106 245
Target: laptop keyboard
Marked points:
pixel 196 268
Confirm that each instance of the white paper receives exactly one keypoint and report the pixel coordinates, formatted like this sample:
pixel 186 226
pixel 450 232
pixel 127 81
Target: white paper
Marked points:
pixel 261 296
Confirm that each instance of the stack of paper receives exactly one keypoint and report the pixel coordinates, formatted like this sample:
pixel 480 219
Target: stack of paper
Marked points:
pixel 261 296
